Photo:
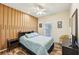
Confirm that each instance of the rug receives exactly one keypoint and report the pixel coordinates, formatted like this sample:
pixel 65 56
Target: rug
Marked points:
pixel 20 51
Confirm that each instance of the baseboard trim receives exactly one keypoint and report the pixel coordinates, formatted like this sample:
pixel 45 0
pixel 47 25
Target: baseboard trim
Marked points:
pixel 3 50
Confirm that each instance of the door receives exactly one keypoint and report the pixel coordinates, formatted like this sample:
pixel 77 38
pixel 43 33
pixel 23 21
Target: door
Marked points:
pixel 47 29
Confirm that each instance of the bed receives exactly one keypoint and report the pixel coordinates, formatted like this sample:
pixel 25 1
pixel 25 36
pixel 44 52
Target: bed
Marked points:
pixel 37 45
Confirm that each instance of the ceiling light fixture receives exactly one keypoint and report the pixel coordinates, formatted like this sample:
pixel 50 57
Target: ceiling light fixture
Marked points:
pixel 39 10
pixel 40 13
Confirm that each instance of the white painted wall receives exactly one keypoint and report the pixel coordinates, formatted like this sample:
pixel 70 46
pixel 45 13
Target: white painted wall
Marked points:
pixel 56 32
pixel 74 6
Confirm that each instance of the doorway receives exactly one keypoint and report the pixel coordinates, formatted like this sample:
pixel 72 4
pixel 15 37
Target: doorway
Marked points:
pixel 47 29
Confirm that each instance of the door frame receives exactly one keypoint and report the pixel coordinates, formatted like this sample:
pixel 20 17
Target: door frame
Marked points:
pixel 44 27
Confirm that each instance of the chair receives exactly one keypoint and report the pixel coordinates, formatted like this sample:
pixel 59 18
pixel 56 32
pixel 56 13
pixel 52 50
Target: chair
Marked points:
pixel 65 40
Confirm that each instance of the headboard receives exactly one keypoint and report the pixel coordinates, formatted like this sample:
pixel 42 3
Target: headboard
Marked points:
pixel 23 33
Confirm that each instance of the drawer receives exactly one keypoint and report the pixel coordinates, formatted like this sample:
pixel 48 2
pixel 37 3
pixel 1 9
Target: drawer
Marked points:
pixel 69 51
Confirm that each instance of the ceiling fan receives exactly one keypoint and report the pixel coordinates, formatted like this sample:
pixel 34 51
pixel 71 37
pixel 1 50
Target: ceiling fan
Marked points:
pixel 39 9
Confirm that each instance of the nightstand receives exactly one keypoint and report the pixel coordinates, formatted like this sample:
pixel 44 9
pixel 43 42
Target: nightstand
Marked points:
pixel 12 43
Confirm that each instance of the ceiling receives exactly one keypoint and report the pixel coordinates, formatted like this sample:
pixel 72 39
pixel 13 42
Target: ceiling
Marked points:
pixel 47 8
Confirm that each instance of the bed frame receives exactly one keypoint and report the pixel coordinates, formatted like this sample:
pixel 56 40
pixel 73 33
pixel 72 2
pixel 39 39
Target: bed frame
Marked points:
pixel 25 48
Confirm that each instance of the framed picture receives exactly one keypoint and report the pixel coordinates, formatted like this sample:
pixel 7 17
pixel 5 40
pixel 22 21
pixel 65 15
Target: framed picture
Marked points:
pixel 59 24
pixel 40 25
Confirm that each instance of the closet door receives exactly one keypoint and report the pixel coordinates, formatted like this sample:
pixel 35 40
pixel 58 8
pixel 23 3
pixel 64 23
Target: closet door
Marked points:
pixel 5 21
pixel 22 21
pixel 13 17
pixel 11 27
pixel 15 23
pixel 7 32
pixel 5 15
pixel 1 24
pixel 19 21
pixel 9 22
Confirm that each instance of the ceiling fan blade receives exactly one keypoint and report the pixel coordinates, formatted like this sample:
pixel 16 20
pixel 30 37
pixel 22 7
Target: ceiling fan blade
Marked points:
pixel 40 6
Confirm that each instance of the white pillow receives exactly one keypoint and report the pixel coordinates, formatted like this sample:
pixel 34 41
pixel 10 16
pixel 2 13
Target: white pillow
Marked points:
pixel 35 34
pixel 31 35
pixel 28 35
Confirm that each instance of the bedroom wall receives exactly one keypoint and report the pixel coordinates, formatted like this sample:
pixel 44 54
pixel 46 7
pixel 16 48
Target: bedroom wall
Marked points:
pixel 13 21
pixel 75 6
pixel 56 32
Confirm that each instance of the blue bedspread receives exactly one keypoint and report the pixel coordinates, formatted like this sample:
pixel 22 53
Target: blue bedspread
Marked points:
pixel 39 44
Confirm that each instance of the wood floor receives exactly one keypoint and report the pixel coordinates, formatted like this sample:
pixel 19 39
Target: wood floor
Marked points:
pixel 20 51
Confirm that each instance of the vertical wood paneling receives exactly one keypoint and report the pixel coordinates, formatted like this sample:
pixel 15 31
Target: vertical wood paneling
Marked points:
pixel 5 21
pixel 1 14
pixel 0 28
pixel 11 26
pixel 5 15
pixel 17 20
pixel 7 28
pixel 15 23
pixel 22 22
pixel 3 41
pixel 1 23
pixel 12 10
pixel 11 22
pixel 4 34
pixel 9 17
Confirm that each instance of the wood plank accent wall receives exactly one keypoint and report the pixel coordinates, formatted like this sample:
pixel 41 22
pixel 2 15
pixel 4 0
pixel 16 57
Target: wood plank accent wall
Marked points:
pixel 13 21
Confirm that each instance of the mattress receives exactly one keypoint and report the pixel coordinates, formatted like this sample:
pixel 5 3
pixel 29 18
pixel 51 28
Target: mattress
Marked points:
pixel 38 44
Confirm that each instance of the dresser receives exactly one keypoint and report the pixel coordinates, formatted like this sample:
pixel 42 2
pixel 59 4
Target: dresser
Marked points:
pixel 66 50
